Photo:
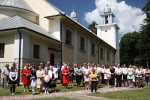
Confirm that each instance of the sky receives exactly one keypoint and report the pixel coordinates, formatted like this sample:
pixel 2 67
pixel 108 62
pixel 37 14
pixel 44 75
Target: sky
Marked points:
pixel 128 13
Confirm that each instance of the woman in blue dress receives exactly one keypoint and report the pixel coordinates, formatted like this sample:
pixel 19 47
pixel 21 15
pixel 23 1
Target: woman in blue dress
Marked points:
pixel 130 75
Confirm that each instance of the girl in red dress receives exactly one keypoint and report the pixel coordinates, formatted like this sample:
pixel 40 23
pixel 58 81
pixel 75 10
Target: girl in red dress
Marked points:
pixel 65 76
pixel 26 77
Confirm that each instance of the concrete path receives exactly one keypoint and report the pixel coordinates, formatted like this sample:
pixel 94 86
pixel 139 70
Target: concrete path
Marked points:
pixel 82 94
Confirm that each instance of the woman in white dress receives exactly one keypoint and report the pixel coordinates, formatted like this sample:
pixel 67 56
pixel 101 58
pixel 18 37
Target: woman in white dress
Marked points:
pixel 86 73
pixel 39 75
pixel 107 74
pixel 46 82
pixel 130 75
pixel 53 77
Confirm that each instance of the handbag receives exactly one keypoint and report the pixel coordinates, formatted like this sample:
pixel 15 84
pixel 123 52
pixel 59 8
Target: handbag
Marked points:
pixel 52 83
pixel 108 75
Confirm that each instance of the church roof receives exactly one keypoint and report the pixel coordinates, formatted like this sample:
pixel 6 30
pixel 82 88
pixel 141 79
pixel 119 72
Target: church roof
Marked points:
pixel 21 4
pixel 18 22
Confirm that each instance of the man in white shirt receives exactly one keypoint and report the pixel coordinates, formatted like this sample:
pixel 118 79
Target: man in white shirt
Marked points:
pixel 118 72
pixel 5 75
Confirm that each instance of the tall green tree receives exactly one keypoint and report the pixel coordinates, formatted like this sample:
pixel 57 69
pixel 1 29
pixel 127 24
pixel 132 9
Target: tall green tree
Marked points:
pixel 135 46
pixel 92 27
pixel 128 47
pixel 144 41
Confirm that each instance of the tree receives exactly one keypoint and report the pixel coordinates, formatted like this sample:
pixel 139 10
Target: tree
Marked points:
pixel 92 27
pixel 135 47
pixel 144 41
pixel 128 47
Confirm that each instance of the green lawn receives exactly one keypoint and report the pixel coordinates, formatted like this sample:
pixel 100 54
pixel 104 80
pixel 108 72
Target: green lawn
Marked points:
pixel 60 88
pixel 57 98
pixel 143 94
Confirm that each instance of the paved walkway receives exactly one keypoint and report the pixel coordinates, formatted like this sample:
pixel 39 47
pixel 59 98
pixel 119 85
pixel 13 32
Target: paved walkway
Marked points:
pixel 82 94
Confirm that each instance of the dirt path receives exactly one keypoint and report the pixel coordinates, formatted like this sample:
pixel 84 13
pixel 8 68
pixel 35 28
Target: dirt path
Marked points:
pixel 82 94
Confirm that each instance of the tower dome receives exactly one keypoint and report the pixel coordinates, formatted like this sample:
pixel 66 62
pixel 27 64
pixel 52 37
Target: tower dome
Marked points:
pixel 107 10
pixel 73 14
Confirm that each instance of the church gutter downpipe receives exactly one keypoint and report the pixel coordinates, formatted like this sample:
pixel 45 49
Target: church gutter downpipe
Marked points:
pixel 61 37
pixel 19 63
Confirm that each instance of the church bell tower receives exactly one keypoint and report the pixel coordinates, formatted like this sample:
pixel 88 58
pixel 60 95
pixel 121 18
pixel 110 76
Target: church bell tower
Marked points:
pixel 108 31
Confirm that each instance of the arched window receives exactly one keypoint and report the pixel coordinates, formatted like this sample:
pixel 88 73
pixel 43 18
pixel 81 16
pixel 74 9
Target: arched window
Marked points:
pixel 102 53
pixel 106 19
pixel 68 37
pixel 108 56
pixel 92 48
pixel 2 49
pixel 82 43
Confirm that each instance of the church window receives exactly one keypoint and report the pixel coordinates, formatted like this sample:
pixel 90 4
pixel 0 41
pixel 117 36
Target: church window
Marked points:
pixel 106 19
pixel 102 53
pixel 113 58
pixel 108 56
pixel 2 49
pixel 68 37
pixel 82 43
pixel 93 48
pixel 36 51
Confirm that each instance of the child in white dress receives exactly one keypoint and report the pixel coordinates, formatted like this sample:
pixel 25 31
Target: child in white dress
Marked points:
pixel 46 82
pixel 33 85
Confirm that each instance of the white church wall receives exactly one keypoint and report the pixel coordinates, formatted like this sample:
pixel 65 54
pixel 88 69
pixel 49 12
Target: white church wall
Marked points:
pixel 51 26
pixel 56 28
pixel 117 57
pixel 8 39
pixel 75 45
pixel 93 57
pixel 68 50
pixel 44 54
pixel 26 45
pixel 68 53
pixel 82 54
pixel 102 59
pixel 108 34
pixel 44 44
pixel 17 44
pixel 43 8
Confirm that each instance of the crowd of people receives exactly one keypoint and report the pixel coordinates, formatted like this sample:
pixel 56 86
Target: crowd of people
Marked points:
pixel 45 76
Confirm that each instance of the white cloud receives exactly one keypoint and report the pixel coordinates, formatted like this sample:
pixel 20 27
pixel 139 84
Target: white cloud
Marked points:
pixel 127 17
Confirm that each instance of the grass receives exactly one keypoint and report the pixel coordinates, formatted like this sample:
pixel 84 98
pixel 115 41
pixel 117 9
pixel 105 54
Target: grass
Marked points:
pixel 57 98
pixel 143 94
pixel 60 88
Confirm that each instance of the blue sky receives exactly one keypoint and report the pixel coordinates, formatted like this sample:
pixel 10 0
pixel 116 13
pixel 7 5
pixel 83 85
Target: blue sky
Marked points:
pixel 86 8
pixel 82 6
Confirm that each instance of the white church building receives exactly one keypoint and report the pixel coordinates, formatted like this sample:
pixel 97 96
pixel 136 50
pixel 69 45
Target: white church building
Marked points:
pixel 36 31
